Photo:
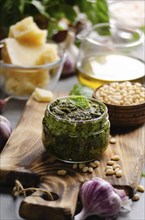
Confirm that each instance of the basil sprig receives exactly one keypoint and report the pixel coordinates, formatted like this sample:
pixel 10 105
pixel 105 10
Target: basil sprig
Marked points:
pixel 47 12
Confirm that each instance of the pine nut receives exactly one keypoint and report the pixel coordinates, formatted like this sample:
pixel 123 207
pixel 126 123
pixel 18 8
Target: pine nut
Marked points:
pixel 61 172
pixel 118 168
pixel 110 162
pixel 136 197
pixel 108 167
pixel 109 172
pixel 90 169
pixel 97 163
pixel 118 173
pixel 92 164
pixel 115 157
pixel 85 169
pixel 75 166
pixel 81 165
pixel 116 165
pixel 140 188
pixel 112 140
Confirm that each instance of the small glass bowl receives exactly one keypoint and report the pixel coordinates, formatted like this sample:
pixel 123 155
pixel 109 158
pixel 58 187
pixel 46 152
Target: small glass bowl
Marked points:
pixel 75 141
pixel 21 81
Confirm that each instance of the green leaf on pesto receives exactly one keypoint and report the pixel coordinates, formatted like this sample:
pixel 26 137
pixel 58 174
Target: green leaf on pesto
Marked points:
pixel 80 101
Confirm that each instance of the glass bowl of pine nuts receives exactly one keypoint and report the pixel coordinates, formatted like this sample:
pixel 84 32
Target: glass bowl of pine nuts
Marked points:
pixel 125 102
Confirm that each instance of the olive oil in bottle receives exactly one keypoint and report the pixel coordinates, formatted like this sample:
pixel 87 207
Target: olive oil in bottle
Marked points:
pixel 105 68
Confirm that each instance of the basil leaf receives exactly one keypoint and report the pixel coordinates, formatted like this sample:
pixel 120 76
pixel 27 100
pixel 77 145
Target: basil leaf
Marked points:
pixel 40 7
pixel 80 101
pixel 79 89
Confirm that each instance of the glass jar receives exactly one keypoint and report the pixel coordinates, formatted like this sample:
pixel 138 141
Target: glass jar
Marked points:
pixel 108 53
pixel 72 135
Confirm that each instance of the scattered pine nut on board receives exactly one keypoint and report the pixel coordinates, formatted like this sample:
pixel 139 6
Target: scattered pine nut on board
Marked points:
pixel 24 158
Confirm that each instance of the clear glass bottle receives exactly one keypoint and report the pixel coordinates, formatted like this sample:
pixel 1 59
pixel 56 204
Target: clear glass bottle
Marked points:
pixel 108 53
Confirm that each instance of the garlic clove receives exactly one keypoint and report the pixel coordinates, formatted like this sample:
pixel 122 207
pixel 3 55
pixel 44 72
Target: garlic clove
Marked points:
pixel 72 52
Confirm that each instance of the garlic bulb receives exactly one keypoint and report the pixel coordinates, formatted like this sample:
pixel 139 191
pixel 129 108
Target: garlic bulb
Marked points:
pixel 5 131
pixel 100 198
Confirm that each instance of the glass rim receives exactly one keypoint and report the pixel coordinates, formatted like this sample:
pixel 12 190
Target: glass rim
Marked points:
pixel 85 35
pixel 78 121
pixel 50 65
pixel 39 67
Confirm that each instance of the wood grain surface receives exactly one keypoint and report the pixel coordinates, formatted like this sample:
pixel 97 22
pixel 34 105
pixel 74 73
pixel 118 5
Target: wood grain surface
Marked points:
pixel 24 158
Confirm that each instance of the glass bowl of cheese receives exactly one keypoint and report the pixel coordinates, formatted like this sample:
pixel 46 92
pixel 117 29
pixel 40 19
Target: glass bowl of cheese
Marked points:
pixel 28 60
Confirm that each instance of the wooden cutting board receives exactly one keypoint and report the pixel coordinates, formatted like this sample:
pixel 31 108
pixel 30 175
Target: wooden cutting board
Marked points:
pixel 24 158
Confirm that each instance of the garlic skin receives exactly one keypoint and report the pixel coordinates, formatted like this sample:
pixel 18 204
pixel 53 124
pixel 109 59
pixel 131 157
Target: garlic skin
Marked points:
pixel 100 198
pixel 3 102
pixel 69 65
pixel 5 131
pixel 72 52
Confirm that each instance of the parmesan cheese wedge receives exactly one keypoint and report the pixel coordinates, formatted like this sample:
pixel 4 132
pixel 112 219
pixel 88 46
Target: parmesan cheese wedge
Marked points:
pixel 42 95
pixel 25 55
pixel 26 46
pixel 26 31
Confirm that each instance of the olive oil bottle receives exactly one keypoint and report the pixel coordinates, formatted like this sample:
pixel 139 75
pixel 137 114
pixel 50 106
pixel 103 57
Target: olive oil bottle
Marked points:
pixel 105 68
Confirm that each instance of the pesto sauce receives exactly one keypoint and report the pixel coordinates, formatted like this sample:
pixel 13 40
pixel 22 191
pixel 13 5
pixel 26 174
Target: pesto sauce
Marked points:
pixel 70 135
pixel 76 109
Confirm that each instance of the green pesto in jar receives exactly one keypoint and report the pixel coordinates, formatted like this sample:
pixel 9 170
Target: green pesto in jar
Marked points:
pixel 76 108
pixel 76 129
